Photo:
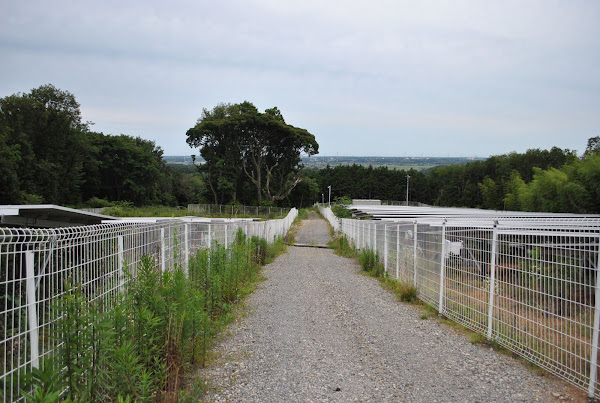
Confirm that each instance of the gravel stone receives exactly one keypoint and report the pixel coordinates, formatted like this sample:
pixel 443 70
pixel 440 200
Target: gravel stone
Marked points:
pixel 318 331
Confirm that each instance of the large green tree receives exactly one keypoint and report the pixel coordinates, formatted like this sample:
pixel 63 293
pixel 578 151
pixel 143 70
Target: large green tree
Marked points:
pixel 241 145
pixel 48 155
pixel 44 128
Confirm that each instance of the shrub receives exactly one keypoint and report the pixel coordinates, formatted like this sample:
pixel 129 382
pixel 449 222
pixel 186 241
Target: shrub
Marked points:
pixel 369 260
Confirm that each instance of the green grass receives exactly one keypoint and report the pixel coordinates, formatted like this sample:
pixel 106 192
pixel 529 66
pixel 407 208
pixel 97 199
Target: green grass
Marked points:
pixel 342 247
pixel 303 213
pixel 403 290
pixel 477 338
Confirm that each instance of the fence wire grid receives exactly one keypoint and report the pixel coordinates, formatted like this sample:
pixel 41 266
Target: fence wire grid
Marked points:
pixel 529 285
pixel 35 265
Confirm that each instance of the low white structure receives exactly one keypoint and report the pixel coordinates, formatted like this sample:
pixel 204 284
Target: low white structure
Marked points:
pixel 366 202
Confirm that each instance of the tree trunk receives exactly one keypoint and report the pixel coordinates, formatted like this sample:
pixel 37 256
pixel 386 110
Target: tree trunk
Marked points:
pixel 258 189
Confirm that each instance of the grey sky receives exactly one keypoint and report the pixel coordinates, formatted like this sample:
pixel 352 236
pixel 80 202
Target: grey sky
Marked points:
pixel 389 78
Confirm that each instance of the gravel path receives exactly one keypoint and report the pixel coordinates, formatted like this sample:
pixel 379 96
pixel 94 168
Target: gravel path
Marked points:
pixel 314 231
pixel 317 331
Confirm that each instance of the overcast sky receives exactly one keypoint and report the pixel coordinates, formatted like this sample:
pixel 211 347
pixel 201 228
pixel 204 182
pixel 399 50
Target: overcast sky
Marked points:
pixel 370 78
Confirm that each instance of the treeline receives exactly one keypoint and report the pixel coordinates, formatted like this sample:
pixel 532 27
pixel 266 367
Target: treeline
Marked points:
pixel 48 155
pixel 553 180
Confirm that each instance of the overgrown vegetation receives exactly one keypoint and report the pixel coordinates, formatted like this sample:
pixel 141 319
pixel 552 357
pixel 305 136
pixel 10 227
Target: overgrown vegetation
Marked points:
pixel 137 347
pixel 404 291
pixel 369 260
pixel 342 247
pixel 339 207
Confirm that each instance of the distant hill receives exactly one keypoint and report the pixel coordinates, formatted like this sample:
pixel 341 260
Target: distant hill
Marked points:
pixel 181 159
pixel 417 163
pixel 318 161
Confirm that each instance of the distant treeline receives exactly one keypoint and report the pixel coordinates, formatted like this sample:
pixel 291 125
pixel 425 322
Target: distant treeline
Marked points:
pixel 553 180
pixel 418 163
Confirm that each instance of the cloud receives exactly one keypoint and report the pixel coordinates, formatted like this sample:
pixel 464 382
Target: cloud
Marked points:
pixel 436 68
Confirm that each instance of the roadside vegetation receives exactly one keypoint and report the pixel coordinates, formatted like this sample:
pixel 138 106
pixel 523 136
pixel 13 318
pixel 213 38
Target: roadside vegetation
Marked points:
pixel 138 346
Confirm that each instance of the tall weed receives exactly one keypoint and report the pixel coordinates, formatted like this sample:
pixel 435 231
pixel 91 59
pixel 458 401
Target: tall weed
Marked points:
pixel 369 260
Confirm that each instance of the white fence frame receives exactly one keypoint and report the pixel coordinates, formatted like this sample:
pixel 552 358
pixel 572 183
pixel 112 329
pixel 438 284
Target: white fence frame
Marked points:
pixel 36 263
pixel 531 285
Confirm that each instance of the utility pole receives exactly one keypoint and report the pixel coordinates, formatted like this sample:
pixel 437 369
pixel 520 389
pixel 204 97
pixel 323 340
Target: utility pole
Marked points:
pixel 322 198
pixel 407 182
pixel 329 195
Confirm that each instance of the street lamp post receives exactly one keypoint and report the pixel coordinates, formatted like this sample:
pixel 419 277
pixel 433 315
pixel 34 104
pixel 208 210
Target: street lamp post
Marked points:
pixel 407 182
pixel 329 195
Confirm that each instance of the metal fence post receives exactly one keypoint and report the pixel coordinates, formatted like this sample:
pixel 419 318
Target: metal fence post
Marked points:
pixel 209 246
pixel 34 339
pixel 163 253
pixel 187 248
pixel 226 237
pixel 442 268
pixel 594 353
pixel 415 253
pixel 363 240
pixel 121 263
pixel 375 238
pixel 385 248
pixel 398 253
pixel 492 281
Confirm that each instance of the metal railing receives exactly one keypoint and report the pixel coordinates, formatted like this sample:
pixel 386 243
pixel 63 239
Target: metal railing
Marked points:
pixel 530 285
pixel 235 210
pixel 35 265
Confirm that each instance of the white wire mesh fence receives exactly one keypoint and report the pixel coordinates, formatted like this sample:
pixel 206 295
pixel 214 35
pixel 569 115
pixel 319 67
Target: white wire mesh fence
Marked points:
pixel 335 222
pixel 35 265
pixel 529 285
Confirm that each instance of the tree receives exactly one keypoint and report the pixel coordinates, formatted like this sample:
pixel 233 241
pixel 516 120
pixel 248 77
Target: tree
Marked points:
pixel 593 146
pixel 10 157
pixel 491 193
pixel 131 169
pixel 217 139
pixel 240 144
pixel 45 127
